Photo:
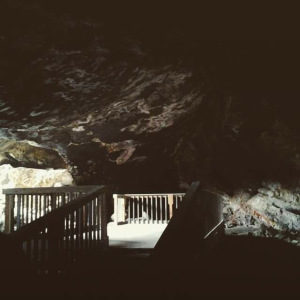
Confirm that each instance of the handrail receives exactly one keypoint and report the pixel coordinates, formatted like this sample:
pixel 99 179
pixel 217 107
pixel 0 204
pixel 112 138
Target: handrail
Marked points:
pixel 48 190
pixel 153 194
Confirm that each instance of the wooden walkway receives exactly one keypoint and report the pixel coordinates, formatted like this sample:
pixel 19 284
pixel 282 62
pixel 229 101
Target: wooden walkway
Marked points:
pixel 134 235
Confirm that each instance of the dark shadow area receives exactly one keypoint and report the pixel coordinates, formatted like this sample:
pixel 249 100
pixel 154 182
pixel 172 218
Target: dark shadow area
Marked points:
pixel 236 267
pixel 18 277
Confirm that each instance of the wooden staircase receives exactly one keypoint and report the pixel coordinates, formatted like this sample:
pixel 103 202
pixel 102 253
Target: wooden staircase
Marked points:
pixel 192 259
pixel 55 226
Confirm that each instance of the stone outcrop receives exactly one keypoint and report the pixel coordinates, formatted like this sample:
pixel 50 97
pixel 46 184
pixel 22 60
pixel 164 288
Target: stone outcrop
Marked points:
pixel 272 211
pixel 29 154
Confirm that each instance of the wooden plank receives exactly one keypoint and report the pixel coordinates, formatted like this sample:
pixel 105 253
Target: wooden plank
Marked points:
pixel 90 224
pixel 77 230
pixel 104 237
pixel 49 190
pixel 170 203
pixel 23 210
pixel 94 222
pixel 26 209
pixel 98 218
pixel 35 207
pixel 19 199
pixel 72 246
pixel 129 209
pixel 31 207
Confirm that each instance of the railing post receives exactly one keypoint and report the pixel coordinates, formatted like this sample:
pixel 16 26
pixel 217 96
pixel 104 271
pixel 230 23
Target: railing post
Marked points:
pixel 119 209
pixel 170 203
pixel 55 234
pixel 9 213
pixel 115 197
pixel 53 201
pixel 104 236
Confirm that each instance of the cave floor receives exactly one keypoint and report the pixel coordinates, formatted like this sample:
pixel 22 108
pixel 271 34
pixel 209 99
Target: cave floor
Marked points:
pixel 134 235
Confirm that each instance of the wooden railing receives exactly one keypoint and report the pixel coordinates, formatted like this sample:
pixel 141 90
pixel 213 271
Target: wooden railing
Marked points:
pixel 145 208
pixel 24 205
pixel 64 222
pixel 197 225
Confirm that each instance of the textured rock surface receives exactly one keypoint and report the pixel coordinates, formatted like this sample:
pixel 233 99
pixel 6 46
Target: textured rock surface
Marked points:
pixel 149 108
pixel 28 177
pixel 273 211
pixel 29 154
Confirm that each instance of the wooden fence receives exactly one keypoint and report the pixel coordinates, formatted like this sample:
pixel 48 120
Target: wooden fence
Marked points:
pixel 55 225
pixel 145 208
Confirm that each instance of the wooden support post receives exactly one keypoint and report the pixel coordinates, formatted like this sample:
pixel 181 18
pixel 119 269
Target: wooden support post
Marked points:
pixel 170 202
pixel 55 234
pixel 115 197
pixel 119 209
pixel 9 213
pixel 104 236
pixel 53 201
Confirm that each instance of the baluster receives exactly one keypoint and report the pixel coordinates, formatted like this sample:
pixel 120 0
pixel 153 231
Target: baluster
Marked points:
pixel 53 201
pixel 72 235
pixel 160 209
pixel 55 232
pixel 45 204
pixel 157 209
pixel 149 209
pixel 67 236
pixel 84 225
pixel 63 199
pixel 31 207
pixel 40 205
pixel 97 219
pixel 23 210
pixel 35 207
pixel 139 209
pixel 104 237
pixel 166 209
pixel 19 199
pixel 42 243
pixel 153 209
pixel 128 209
pixel 87 225
pixel 94 221
pixel 146 208
pixel 26 208
pixel 143 209
pixel 133 208
pixel 90 223
pixel 77 230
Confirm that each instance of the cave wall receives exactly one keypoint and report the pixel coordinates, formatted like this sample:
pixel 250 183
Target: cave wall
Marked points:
pixel 149 107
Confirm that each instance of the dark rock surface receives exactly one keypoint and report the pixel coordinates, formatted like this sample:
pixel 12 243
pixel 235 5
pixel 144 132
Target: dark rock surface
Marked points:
pixel 148 105
pixel 272 211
